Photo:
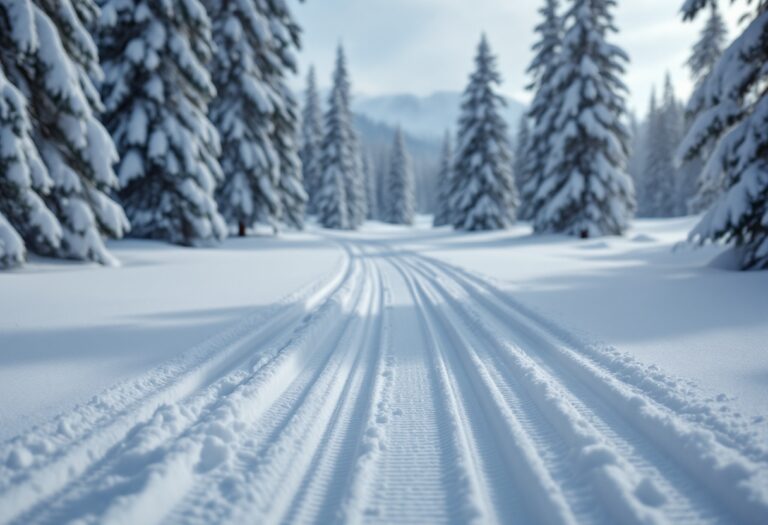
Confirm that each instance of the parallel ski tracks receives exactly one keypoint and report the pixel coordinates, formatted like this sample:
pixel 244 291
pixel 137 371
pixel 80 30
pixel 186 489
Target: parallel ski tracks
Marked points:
pixel 399 390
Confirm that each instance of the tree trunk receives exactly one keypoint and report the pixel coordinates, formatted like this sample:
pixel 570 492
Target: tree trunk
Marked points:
pixel 241 229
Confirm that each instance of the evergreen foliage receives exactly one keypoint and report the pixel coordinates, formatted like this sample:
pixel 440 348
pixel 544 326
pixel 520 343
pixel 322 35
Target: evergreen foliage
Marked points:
pixel 400 198
pixel 732 118
pixel 585 189
pixel 483 194
pixel 311 141
pixel 156 91
pixel 443 214
pixel 56 158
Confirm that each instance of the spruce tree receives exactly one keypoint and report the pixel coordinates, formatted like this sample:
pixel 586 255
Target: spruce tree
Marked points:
pixel 483 193
pixel 586 190
pixel 709 48
pixel 732 105
pixel 277 60
pixel 661 195
pixel 400 197
pixel 706 52
pixel 353 176
pixel 156 91
pixel 49 64
pixel 24 180
pixel 521 165
pixel 530 172
pixel 336 160
pixel 242 111
pixel 444 213
pixel 311 141
pixel 371 187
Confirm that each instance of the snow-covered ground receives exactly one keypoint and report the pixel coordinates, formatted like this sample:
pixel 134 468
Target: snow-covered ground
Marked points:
pixel 391 375
pixel 69 330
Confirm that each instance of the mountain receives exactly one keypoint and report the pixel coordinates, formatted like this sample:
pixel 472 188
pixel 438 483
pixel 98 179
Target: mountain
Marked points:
pixel 424 117
pixel 377 138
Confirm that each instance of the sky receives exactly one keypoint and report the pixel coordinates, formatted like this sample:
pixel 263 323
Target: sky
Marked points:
pixel 424 46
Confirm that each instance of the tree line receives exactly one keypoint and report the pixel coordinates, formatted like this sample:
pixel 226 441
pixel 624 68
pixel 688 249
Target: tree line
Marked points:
pixel 174 121
pixel 582 166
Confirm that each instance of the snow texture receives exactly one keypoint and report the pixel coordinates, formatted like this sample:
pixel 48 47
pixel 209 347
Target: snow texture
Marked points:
pixel 399 387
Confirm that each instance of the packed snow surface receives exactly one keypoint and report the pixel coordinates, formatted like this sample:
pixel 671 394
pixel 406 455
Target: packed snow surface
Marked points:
pixel 388 376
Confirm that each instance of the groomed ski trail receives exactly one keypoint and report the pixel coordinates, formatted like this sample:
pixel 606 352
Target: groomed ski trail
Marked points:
pixel 400 389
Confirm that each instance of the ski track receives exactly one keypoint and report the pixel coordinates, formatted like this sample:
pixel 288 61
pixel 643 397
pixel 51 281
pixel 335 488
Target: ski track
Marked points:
pixel 400 389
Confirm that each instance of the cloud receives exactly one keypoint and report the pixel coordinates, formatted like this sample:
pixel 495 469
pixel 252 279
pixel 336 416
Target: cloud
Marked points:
pixel 422 46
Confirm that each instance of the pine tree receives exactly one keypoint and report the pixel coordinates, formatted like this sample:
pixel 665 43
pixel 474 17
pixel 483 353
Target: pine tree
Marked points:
pixel 311 141
pixel 586 190
pixel 638 152
pixel 483 193
pixel 277 61
pixel 353 176
pixel 156 90
pixel 521 166
pixel 371 187
pixel 530 172
pixel 242 111
pixel 661 177
pixel 337 161
pixel 733 115
pixel 444 213
pixel 24 180
pixel 49 64
pixel 400 197
pixel 706 52
pixel 709 48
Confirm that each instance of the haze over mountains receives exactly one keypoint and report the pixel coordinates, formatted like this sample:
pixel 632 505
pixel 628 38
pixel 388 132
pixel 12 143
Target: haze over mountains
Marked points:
pixel 424 117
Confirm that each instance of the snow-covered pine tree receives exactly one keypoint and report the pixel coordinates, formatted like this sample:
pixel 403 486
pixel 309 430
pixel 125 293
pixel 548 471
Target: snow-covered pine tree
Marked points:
pixel 358 202
pixel 355 185
pixel 733 114
pixel 706 52
pixel 276 61
pixel 529 174
pixel 400 197
pixel 156 91
pixel 638 134
pixel 483 193
pixel 336 162
pixel 24 217
pixel 660 177
pixel 49 57
pixel 709 48
pixel 522 161
pixel 371 187
pixel 586 190
pixel 311 141
pixel 443 213
pixel 242 113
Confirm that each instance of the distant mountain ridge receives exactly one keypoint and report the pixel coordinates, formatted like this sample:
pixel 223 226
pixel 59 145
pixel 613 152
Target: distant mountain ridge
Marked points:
pixel 424 117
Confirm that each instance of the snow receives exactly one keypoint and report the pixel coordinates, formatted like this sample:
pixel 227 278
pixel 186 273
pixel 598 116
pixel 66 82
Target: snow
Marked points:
pixel 67 331
pixel 387 375
pixel 647 294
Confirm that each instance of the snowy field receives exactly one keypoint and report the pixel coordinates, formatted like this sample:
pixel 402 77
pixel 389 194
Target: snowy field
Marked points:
pixel 389 375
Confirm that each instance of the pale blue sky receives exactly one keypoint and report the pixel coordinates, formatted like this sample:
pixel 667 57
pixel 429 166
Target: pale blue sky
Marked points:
pixel 422 46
